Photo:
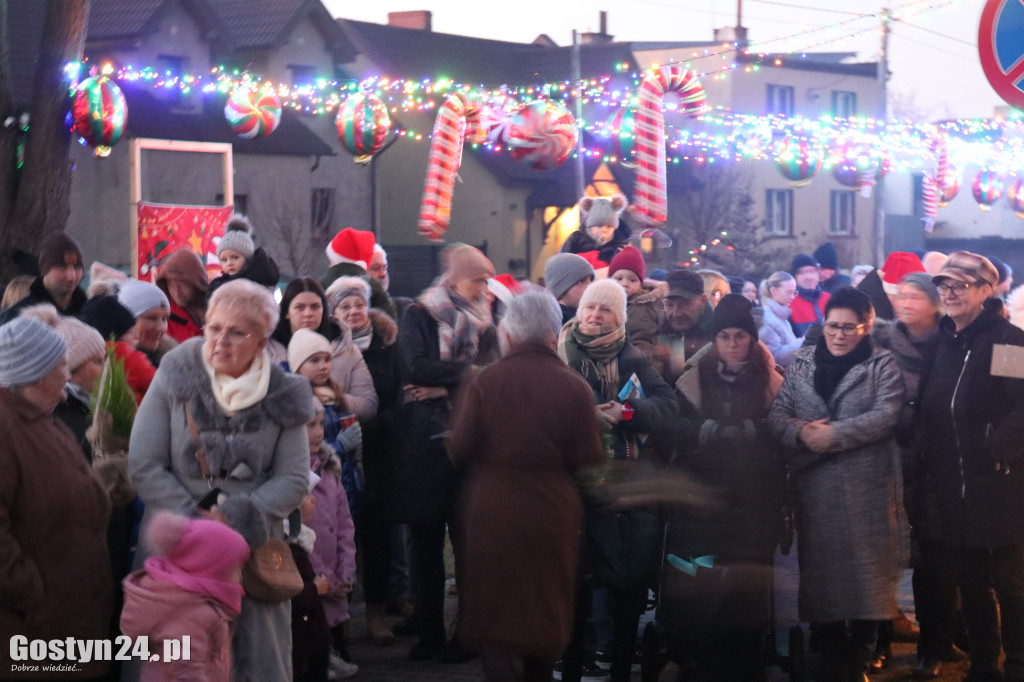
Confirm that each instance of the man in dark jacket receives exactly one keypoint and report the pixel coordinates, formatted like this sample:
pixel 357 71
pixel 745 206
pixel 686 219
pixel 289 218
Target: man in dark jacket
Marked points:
pixel 828 268
pixel 685 326
pixel 972 443
pixel 60 273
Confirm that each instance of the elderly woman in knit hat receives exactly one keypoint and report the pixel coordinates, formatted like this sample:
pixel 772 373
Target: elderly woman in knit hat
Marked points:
pixel 594 344
pixel 149 306
pixel 55 577
pixel 445 336
pixel 250 420
pixel 182 276
pixel 721 614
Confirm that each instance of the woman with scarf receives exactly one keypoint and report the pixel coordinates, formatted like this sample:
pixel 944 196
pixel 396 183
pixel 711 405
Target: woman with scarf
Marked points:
pixel 836 415
pixel 594 344
pixel 445 338
pixel 718 613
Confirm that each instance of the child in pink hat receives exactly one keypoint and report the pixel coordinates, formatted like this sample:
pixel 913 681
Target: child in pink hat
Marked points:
pixel 190 586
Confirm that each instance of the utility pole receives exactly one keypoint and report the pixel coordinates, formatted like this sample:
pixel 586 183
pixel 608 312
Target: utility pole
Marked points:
pixel 580 184
pixel 881 114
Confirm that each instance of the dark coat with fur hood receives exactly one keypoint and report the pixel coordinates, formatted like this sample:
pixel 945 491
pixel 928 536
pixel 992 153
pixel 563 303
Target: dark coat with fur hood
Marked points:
pixel 642 316
pixel 265 451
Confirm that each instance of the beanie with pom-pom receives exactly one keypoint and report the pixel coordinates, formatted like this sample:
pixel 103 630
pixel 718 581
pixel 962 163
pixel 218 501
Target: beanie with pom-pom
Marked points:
pixel 237 237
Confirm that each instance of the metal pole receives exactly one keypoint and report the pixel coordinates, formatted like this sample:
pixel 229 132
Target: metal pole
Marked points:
pixel 580 184
pixel 882 111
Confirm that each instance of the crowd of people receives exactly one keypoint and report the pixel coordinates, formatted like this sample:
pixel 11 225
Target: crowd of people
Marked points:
pixel 582 443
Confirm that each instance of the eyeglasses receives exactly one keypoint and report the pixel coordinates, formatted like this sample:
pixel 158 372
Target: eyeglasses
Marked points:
pixel 957 288
pixel 213 332
pixel 833 328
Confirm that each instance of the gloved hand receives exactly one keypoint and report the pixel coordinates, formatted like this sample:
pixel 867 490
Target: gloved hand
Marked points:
pixel 350 439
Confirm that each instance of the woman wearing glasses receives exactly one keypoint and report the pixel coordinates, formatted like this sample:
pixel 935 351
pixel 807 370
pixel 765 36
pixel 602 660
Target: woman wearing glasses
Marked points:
pixel 251 420
pixel 836 415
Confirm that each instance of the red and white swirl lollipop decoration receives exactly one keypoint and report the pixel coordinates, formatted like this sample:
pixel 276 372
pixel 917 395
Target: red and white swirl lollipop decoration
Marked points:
pixel 650 201
pixel 459 117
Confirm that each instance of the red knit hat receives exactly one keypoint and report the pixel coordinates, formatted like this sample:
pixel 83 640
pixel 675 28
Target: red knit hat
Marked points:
pixel 898 265
pixel 352 246
pixel 630 259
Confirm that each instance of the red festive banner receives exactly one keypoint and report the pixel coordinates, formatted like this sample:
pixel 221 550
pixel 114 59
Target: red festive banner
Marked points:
pixel 164 229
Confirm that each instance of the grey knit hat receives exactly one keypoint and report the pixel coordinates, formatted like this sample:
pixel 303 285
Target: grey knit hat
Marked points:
pixel 343 287
pixel 601 211
pixel 140 297
pixel 29 350
pixel 237 237
pixel 923 281
pixel 563 270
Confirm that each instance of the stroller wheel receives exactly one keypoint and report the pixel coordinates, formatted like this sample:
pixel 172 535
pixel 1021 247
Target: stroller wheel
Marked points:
pixel 796 668
pixel 651 661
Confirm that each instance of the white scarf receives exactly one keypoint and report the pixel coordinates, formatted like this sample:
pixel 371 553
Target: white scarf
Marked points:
pixel 234 395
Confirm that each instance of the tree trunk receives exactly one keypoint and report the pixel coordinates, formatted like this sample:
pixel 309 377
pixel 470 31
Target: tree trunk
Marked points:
pixel 8 133
pixel 42 201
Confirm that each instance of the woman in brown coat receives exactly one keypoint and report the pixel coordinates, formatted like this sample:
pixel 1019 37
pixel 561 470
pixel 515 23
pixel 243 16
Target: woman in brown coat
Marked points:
pixel 521 514
pixel 55 579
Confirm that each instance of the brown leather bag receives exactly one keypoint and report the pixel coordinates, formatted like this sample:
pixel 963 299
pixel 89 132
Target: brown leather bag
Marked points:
pixel 270 573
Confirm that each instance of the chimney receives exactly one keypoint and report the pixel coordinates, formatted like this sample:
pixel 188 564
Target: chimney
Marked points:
pixel 416 19
pixel 600 38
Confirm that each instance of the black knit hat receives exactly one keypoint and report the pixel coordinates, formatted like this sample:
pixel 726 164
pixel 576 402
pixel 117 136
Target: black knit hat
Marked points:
pixel 802 260
pixel 827 256
pixel 734 311
pixel 107 316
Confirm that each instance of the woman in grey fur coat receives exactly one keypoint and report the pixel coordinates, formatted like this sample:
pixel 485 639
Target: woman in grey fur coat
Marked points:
pixel 836 415
pixel 251 418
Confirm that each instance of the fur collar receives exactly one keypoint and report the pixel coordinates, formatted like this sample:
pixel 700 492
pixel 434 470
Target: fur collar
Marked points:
pixel 288 401
pixel 326 460
pixel 384 328
pixel 652 292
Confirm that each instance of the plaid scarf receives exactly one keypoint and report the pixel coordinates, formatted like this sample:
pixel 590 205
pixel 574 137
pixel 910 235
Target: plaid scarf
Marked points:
pixel 594 355
pixel 460 323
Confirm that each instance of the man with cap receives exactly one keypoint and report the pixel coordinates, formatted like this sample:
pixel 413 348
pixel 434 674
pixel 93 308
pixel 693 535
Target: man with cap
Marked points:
pixel 55 577
pixel 60 272
pixel 351 254
pixel 686 324
pixel 809 305
pixel 828 268
pixel 566 276
pixel 972 443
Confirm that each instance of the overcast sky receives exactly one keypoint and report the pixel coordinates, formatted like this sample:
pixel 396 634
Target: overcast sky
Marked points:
pixel 933 56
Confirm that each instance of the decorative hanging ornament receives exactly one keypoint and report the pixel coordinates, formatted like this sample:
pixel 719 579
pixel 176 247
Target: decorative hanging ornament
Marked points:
pixel 252 113
pixel 930 200
pixel 496 116
pixel 1015 197
pixel 752 139
pixel 799 160
pixel 650 198
pixel 542 135
pixel 622 134
pixel 861 166
pixel 987 189
pixel 363 124
pixel 950 185
pixel 98 113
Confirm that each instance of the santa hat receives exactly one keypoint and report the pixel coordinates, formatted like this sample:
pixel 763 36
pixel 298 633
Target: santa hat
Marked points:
pixel 898 265
pixel 504 287
pixel 352 246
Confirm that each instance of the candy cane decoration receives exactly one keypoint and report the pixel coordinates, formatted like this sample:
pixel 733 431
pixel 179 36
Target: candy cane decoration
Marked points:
pixel 941 152
pixel 458 118
pixel 930 194
pixel 650 200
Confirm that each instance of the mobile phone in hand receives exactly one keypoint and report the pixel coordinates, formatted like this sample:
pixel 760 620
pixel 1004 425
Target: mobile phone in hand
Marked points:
pixel 209 501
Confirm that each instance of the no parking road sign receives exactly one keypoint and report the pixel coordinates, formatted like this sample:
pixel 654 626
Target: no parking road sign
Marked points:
pixel 1001 48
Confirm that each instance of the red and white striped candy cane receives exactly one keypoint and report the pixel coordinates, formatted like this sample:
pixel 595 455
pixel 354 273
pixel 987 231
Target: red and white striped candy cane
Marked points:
pixel 650 196
pixel 941 151
pixel 459 117
pixel 930 194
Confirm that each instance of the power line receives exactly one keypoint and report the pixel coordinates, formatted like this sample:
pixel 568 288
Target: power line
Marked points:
pixel 936 33
pixel 808 7
pixel 940 49
pixel 712 12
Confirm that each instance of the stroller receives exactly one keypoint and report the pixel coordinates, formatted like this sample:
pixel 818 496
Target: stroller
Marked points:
pixel 715 616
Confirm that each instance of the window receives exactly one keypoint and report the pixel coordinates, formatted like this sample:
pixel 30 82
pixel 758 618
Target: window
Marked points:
pixel 322 212
pixel 779 212
pixel 780 100
pixel 844 213
pixel 844 104
pixel 302 74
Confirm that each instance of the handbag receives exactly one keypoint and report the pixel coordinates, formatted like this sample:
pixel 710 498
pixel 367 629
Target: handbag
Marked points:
pixel 270 573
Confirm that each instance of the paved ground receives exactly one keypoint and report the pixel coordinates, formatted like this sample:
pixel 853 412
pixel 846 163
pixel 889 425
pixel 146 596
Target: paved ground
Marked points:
pixel 390 664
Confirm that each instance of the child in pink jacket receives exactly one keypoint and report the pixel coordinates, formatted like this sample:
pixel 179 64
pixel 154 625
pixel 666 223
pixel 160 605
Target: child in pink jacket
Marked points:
pixel 191 586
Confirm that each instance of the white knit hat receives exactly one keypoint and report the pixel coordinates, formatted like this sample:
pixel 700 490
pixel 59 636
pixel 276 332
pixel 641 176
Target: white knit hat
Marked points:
pixel 237 237
pixel 304 344
pixel 29 350
pixel 139 297
pixel 607 292
pixel 84 342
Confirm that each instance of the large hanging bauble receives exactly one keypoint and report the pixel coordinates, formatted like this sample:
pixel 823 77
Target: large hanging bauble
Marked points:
pixel 950 186
pixel 252 113
pixel 799 160
pixel 622 134
pixel 542 135
pixel 987 188
pixel 98 113
pixel 363 124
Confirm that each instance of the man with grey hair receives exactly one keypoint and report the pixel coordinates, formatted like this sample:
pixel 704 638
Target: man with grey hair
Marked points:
pixel 520 511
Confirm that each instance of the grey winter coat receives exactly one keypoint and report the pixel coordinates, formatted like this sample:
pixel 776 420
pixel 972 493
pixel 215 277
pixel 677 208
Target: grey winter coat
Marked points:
pixel 775 332
pixel 853 538
pixel 266 449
